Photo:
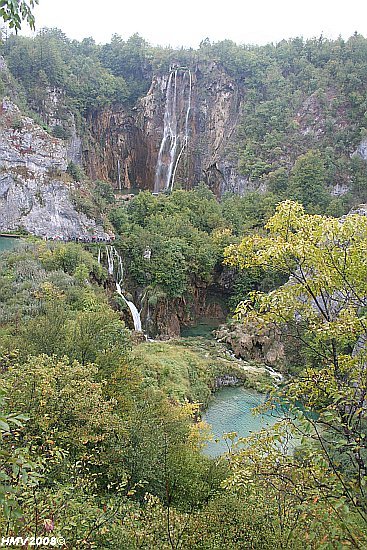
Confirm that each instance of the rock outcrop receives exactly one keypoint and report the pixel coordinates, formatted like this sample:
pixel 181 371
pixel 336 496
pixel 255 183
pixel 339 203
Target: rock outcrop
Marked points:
pixel 34 188
pixel 253 341
pixel 123 147
pixel 362 150
pixel 117 150
pixel 164 318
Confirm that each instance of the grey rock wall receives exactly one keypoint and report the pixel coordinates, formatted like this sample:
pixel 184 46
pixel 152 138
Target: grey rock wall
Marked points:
pixel 34 189
pixel 134 138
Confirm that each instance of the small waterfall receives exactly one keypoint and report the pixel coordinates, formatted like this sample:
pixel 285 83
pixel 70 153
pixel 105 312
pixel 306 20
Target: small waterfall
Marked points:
pixel 175 132
pixel 132 307
pixel 274 374
pixel 115 269
pixel 110 262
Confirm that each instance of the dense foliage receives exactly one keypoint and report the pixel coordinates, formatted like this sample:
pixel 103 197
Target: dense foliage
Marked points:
pixel 305 101
pixel 101 439
pixel 322 306
pixel 90 432
pixel 186 233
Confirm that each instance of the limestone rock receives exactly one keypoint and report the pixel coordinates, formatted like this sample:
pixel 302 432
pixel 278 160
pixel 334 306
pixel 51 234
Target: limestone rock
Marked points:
pixel 34 189
pixel 362 150
pixel 254 342
pixel 123 146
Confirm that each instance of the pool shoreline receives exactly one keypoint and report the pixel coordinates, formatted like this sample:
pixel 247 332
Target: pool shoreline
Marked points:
pixel 230 411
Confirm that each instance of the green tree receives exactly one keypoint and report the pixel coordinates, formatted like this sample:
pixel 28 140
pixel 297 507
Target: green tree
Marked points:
pixel 20 472
pixel 323 306
pixel 307 182
pixel 13 12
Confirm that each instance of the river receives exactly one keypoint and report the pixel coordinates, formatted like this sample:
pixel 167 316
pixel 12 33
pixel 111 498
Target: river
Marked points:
pixel 230 411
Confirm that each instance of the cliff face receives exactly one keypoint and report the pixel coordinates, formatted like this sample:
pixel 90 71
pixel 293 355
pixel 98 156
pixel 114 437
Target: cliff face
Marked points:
pixel 34 192
pixel 188 118
pixel 165 318
pixel 117 150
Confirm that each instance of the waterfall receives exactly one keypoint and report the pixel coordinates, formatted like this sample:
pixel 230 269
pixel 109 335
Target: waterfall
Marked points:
pixel 186 130
pixel 119 175
pixel 132 307
pixel 116 270
pixel 110 262
pixel 175 132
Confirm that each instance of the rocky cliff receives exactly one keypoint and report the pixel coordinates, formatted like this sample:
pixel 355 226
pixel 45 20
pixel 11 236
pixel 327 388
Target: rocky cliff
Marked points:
pixel 165 317
pixel 35 191
pixel 123 147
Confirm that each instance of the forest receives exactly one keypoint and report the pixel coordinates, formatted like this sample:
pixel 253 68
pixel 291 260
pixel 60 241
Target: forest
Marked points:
pixel 305 107
pixel 102 431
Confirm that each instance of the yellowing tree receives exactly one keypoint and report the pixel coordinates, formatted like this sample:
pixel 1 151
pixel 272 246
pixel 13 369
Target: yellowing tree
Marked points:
pixel 323 305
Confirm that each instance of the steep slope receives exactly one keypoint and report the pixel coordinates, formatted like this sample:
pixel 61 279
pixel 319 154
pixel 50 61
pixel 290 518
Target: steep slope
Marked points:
pixel 34 187
pixel 124 146
pixel 237 117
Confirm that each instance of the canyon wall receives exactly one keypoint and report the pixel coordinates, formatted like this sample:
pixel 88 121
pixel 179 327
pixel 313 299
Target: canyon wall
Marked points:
pixel 123 147
pixel 35 191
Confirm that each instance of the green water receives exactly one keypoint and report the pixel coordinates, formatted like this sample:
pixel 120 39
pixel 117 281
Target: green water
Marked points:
pixel 203 328
pixel 7 243
pixel 230 411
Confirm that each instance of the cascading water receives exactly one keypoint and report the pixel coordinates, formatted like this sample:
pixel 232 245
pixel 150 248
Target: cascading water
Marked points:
pixel 119 175
pixel 186 130
pixel 132 307
pixel 118 274
pixel 175 128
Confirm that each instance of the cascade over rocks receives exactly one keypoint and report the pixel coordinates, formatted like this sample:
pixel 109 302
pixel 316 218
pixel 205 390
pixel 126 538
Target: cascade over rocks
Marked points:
pixel 175 128
pixel 116 271
pixel 180 130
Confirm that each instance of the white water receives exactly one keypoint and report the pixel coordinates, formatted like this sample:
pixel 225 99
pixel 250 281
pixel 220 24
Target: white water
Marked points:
pixel 118 274
pixel 274 374
pixel 186 134
pixel 174 134
pixel 119 175
pixel 132 307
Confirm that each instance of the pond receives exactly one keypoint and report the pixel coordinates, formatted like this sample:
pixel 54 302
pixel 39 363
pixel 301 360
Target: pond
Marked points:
pixel 203 328
pixel 230 411
pixel 7 243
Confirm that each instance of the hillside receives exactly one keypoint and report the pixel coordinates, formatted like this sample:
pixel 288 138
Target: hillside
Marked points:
pixel 153 195
pixel 252 112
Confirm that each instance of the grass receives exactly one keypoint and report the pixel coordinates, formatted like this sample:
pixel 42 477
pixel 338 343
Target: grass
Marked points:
pixel 186 369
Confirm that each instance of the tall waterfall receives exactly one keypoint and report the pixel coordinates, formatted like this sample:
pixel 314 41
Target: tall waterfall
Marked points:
pixel 175 128
pixel 116 270
pixel 119 175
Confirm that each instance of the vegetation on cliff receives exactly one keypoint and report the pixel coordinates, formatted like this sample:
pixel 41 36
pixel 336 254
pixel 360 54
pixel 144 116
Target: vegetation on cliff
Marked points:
pixel 101 439
pixel 302 114
pixel 185 234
